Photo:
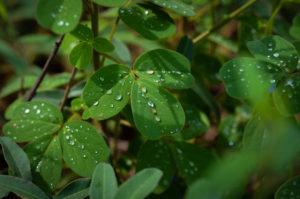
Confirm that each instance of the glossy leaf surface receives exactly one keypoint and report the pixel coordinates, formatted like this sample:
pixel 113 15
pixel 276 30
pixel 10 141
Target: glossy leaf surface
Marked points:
pixel 177 6
pixel 81 55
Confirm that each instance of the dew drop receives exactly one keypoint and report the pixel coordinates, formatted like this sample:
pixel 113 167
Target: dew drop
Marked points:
pixel 118 97
pixel 151 104
pixel 157 119
pixel 276 54
pixel 109 92
pixel 27 111
pixel 150 72
pixel 144 89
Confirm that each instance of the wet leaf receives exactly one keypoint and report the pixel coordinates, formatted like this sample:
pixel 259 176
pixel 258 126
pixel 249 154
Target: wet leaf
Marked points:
pixel 164 67
pixel 148 21
pixel 83 147
pixel 83 33
pixel 178 6
pixel 289 189
pixel 107 92
pixel 155 111
pixel 60 16
pixel 110 3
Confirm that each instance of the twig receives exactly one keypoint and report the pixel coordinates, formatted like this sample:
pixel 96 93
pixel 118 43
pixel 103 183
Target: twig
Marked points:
pixel 95 28
pixel 45 68
pixel 63 102
pixel 225 21
pixel 269 26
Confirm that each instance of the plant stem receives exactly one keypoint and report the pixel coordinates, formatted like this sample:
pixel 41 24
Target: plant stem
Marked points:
pixel 95 28
pixel 45 68
pixel 269 26
pixel 225 21
pixel 63 102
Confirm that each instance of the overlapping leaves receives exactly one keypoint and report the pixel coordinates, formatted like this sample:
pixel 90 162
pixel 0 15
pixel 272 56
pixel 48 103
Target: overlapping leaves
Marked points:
pixel 156 112
pixel 77 142
pixel 253 78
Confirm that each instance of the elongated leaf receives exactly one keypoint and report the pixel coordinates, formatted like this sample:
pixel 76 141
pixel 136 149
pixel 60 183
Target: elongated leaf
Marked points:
pixel 110 3
pixel 83 147
pixel 249 78
pixel 275 50
pixel 140 185
pixel 155 111
pixel 165 67
pixel 77 189
pixel 177 6
pixel 3 193
pixel 60 16
pixel 16 158
pixel 83 33
pixel 21 187
pixel 107 92
pixel 148 21
pixel 33 120
pixel 289 189
pixel 102 45
pixel 287 94
pixel 104 183
pixel 46 159
pixel 192 161
pixel 156 154
pixel 81 55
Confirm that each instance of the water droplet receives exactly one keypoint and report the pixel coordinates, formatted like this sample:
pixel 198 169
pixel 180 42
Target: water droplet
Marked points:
pixel 157 119
pixel 96 151
pixel 276 54
pixel 118 97
pixel 111 105
pixel 109 92
pixel 144 89
pixel 101 79
pixel 27 111
pixel 151 104
pixel 60 23
pixel 150 72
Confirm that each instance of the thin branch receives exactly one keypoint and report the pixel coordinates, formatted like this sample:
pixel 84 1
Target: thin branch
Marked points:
pixel 225 21
pixel 95 28
pixel 45 68
pixel 63 102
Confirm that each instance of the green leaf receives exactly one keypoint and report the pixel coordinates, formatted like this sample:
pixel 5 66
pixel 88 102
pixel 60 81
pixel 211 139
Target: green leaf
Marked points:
pixel 192 161
pixel 149 21
pixel 140 185
pixel 77 104
pixel 164 67
pixel 289 190
pixel 155 111
pixel 186 47
pixel 9 112
pixel 295 29
pixel 83 147
pixel 107 92
pixel 16 158
pixel 46 158
pixel 104 183
pixel 77 189
pixel 102 45
pixel 83 33
pixel 33 120
pixel 21 187
pixel 275 50
pixel 156 154
pixel 287 94
pixel 110 3
pixel 230 130
pixel 177 6
pixel 3 193
pixel 248 78
pixel 60 16
pixel 81 55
